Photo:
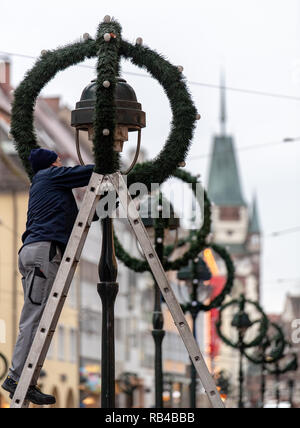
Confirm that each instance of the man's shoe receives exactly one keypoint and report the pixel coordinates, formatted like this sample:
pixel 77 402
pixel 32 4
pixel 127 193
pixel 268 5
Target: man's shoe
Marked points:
pixel 34 394
pixel 9 385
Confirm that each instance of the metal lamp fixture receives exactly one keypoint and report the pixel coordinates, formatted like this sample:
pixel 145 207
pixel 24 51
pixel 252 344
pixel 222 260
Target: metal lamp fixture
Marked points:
pixel 202 272
pixel 241 320
pixel 129 115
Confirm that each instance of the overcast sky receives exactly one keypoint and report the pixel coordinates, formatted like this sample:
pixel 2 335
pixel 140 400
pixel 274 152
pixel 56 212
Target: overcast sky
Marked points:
pixel 255 42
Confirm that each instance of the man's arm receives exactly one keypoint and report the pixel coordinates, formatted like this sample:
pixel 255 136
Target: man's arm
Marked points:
pixel 71 177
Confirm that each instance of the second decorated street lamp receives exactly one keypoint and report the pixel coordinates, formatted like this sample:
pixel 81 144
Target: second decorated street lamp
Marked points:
pixel 194 275
pixel 130 118
pixel 153 213
pixel 242 322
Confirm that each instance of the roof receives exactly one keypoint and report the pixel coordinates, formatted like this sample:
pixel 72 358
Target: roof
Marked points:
pixel 224 186
pixel 10 173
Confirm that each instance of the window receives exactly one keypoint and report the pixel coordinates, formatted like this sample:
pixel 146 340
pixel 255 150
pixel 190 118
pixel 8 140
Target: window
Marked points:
pixel 73 345
pixel 61 343
pixel 229 213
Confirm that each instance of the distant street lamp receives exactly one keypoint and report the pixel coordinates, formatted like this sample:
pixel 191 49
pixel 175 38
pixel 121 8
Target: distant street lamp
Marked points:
pixel 194 275
pixel 128 383
pixel 283 367
pixel 291 386
pixel 268 352
pixel 242 323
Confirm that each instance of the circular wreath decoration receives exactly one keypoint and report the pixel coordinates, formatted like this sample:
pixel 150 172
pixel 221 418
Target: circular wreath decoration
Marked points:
pixel 5 368
pixel 276 353
pixel 264 325
pixel 109 54
pixel 290 366
pixel 219 299
pixel 197 243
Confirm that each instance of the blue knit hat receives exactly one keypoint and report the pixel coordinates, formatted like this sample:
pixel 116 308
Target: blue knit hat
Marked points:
pixel 42 159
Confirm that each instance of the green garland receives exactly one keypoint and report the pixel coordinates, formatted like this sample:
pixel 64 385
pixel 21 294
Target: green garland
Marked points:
pixel 196 246
pixel 219 299
pixel 277 352
pixel 292 366
pixel 106 161
pixel 264 325
pixel 108 69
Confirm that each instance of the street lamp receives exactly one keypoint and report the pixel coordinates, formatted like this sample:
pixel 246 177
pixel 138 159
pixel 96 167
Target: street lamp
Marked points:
pixel 128 383
pixel 157 227
pixel 291 386
pixel 283 367
pixel 129 118
pixel 194 275
pixel 242 323
pixel 269 351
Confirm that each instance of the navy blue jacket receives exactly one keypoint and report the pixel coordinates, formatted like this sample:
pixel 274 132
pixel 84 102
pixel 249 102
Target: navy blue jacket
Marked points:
pixel 52 209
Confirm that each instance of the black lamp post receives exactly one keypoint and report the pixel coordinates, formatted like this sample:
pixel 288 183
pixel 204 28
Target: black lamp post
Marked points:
pixel 157 227
pixel 282 367
pixel 291 386
pixel 241 322
pixel 194 275
pixel 129 118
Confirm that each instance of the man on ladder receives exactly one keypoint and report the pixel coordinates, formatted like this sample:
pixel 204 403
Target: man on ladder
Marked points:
pixel 52 212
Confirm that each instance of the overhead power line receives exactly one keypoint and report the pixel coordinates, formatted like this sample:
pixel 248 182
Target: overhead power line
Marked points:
pixel 283 232
pixel 193 83
pixel 248 148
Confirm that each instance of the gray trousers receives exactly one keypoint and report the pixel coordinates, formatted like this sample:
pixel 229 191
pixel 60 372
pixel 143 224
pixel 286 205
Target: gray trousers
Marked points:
pixel 38 264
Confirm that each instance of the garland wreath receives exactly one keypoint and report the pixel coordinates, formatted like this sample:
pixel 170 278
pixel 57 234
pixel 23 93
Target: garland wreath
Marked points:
pixel 109 48
pixel 277 351
pixel 264 325
pixel 291 366
pixel 197 245
pixel 4 366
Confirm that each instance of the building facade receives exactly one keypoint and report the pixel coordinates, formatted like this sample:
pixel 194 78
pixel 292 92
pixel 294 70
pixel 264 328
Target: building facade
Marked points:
pixel 235 225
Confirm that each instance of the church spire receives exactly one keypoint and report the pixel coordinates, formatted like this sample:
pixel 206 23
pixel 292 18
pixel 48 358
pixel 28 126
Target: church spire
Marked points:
pixel 254 224
pixel 224 185
pixel 223 115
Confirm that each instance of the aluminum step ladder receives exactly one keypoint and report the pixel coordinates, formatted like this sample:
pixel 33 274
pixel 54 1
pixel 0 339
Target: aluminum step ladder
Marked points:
pixel 98 185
